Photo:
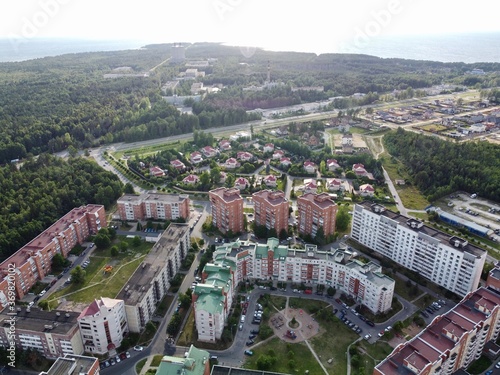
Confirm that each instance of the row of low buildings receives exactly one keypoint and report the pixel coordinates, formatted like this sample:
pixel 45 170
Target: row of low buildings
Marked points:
pixel 239 261
pixel 101 326
pixel 271 209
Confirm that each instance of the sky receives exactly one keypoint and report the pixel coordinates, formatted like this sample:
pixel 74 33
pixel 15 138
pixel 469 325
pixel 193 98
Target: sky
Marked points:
pixel 318 26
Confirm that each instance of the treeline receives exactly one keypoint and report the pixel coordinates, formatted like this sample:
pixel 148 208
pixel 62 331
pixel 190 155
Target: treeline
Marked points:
pixel 43 190
pixel 439 167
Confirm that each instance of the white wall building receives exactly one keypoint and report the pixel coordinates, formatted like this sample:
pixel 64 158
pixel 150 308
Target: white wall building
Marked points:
pixel 150 282
pixel 448 261
pixel 103 325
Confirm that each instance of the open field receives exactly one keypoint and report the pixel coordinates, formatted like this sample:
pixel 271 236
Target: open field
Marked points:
pixel 98 283
pixel 409 194
pixel 372 354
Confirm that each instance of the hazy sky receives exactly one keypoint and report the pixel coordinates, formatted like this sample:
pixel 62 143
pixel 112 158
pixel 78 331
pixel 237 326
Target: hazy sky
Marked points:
pixel 313 26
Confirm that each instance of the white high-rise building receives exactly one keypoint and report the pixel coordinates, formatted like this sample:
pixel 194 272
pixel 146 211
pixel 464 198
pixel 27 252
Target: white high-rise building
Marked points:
pixel 448 261
pixel 103 325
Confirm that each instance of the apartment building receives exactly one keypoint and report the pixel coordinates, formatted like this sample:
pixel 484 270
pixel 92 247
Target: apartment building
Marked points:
pixel 448 261
pixel 103 325
pixel 195 362
pixel 153 205
pixel 53 333
pixel 33 261
pixel 74 365
pixel 212 299
pixel 150 282
pixel 338 268
pixel 452 341
pixel 493 280
pixel 316 211
pixel 271 209
pixel 227 209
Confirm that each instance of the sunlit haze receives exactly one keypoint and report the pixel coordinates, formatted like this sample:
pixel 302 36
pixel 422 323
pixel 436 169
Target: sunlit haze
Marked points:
pixel 315 26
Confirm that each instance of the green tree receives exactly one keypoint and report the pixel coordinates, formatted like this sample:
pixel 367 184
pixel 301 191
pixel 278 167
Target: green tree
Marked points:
pixel 58 262
pixel 215 175
pixel 123 246
pixel 129 188
pixel 114 251
pixel 331 291
pixel 136 241
pixel 343 219
pixel 184 300
pixel 78 275
pixel 102 241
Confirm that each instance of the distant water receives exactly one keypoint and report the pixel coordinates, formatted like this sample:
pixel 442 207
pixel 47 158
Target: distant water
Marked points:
pixel 20 50
pixel 468 48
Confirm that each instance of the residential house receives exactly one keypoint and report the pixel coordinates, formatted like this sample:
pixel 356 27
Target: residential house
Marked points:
pixel 225 145
pixel 270 180
pixel 334 184
pixel 244 156
pixel 366 190
pixel 241 183
pixel 209 151
pixel 156 171
pixel 231 163
pixel 269 147
pixel 278 154
pixel 359 170
pixel 177 164
pixel 191 179
pixel 310 186
pixel 310 167
pixel 332 165
pixel 285 161
pixel 223 177
pixel 196 157
pixel 347 143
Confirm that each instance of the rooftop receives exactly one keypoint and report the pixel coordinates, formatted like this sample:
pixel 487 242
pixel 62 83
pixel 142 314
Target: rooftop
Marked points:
pixel 224 370
pixel 322 200
pixel 194 364
pixel 227 195
pixel 443 237
pixel 275 198
pixel 152 197
pixel 140 281
pixel 72 365
pixel 34 319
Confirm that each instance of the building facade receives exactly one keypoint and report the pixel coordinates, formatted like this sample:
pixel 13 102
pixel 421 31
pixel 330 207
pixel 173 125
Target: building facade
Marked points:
pixel 316 211
pixel 227 209
pixel 212 299
pixel 103 325
pixel 33 261
pixel 53 333
pixel 155 206
pixel 448 261
pixel 452 341
pixel 271 209
pixel 150 282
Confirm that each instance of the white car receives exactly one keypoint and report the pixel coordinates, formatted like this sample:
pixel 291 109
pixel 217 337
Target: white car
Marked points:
pixel 138 348
pixel 497 365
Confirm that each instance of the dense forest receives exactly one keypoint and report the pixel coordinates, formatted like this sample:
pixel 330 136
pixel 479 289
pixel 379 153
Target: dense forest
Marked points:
pixel 52 103
pixel 42 190
pixel 440 167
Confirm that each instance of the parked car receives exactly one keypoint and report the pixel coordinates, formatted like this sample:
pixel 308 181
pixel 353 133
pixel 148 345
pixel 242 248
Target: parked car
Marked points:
pixel 138 348
pixel 248 352
pixel 250 342
pixel 112 362
pixel 127 354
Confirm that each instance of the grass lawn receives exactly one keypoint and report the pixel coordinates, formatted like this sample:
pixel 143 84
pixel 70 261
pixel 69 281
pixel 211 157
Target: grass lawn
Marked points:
pixel 419 215
pixel 156 360
pixel 409 194
pixel 97 283
pixel 278 302
pixel 423 301
pixel 332 343
pixel 188 332
pixel 309 305
pixel 289 358
pixel 372 354
pixel 140 365
pixel 400 288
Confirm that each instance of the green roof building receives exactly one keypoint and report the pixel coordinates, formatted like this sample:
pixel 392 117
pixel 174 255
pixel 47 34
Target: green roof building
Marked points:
pixel 196 362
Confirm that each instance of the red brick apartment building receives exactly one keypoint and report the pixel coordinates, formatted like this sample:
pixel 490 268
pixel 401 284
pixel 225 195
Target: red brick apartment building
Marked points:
pixel 452 341
pixel 271 209
pixel 315 211
pixel 33 261
pixel 153 206
pixel 227 209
